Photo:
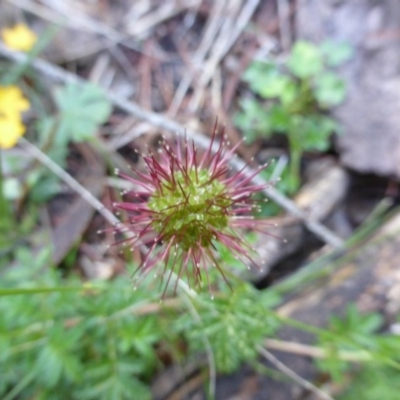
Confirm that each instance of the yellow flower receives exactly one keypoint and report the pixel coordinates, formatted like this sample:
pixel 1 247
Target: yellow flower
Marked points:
pixel 19 37
pixel 11 129
pixel 12 101
pixel 12 104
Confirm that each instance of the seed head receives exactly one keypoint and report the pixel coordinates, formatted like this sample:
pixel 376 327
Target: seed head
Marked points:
pixel 187 202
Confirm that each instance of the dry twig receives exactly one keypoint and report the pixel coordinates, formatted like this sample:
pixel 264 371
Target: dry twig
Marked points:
pixel 284 23
pixel 292 375
pixel 70 181
pixel 227 37
pixel 211 30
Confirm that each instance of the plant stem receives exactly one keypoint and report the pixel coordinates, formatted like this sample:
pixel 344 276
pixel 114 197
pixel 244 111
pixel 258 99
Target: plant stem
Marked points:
pixel 295 160
pixel 23 383
pixel 4 212
pixel 41 290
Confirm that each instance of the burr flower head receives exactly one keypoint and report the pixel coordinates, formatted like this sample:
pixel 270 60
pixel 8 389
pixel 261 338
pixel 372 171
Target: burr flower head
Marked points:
pixel 184 204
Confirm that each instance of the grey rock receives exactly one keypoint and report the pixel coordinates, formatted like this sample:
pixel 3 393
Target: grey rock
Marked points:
pixel 370 115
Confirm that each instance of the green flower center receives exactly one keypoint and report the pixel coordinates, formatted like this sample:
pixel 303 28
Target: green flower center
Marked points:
pixel 188 207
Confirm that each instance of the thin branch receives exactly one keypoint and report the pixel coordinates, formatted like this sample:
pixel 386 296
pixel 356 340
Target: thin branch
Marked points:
pixel 57 74
pixel 316 352
pixel 69 180
pixel 160 14
pixel 293 375
pixel 227 38
pixel 213 25
pixel 295 348
pixel 284 23
pixel 189 295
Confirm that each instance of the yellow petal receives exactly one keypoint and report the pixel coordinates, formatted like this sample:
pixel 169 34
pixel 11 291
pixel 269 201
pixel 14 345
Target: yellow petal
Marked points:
pixel 19 37
pixel 12 101
pixel 11 129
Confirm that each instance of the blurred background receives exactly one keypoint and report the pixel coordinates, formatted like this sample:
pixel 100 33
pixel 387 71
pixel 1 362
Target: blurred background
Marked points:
pixel 310 87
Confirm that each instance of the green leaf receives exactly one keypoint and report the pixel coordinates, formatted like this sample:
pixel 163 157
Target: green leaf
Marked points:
pixel 83 109
pixel 234 324
pixel 333 365
pixel 374 383
pixel 45 127
pixel 330 89
pixel 141 335
pixel 289 93
pixel 279 118
pixel 305 60
pixel 253 120
pixel 313 131
pixel 113 381
pixel 57 360
pixel 356 323
pixel 266 80
pixel 43 186
pixel 353 332
pixel 336 53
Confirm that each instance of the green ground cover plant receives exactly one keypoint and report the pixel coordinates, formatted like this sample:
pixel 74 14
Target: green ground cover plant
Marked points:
pixel 290 99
